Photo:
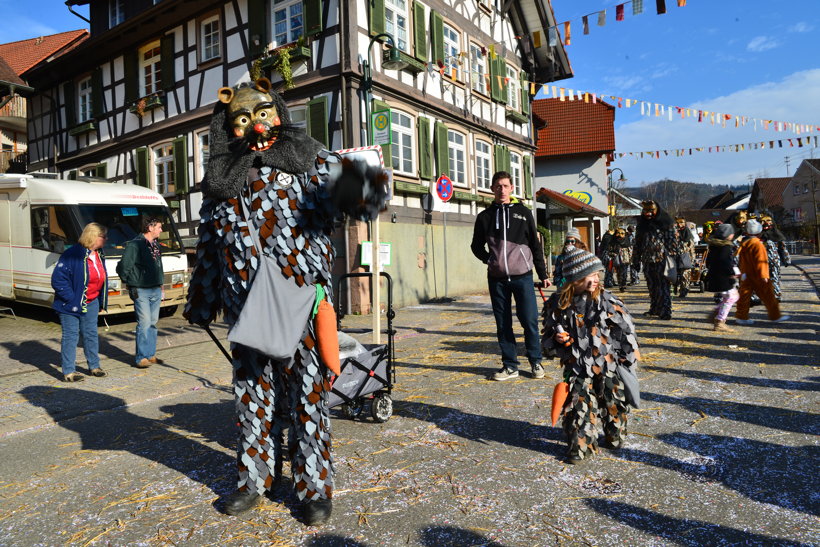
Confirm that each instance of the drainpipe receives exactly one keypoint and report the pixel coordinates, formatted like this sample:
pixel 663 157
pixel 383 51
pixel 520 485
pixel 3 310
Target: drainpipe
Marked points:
pixel 70 6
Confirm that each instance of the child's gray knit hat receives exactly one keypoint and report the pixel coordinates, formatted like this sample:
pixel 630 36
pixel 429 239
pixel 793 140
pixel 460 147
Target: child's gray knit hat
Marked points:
pixel 580 263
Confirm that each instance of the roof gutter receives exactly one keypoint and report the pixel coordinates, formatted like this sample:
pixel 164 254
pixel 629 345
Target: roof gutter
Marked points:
pixel 23 90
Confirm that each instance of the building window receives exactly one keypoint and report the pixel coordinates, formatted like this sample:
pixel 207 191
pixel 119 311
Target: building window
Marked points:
pixel 516 173
pixel 513 89
pixel 298 116
pixel 478 69
pixel 204 151
pixel 287 21
pixel 456 154
pixel 452 48
pixel 116 12
pixel 395 22
pixel 795 189
pixel 806 188
pixel 403 149
pixel 90 172
pixel 150 69
pixel 209 37
pixel 483 163
pixel 84 100
pixel 164 168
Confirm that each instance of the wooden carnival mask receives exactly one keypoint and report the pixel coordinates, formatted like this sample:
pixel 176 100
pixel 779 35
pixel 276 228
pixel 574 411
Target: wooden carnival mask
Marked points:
pixel 252 113
pixel 649 209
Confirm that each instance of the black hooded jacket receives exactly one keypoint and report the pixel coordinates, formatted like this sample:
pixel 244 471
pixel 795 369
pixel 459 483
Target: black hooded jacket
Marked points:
pixel 655 239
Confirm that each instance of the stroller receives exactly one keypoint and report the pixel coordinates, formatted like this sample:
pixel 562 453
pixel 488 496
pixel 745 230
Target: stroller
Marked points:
pixel 367 372
pixel 698 272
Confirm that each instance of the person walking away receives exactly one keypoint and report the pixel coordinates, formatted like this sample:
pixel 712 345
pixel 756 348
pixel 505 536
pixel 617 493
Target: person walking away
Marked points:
pixel 141 270
pixel 591 331
pixel 608 261
pixel 754 277
pixel 776 251
pixel 655 241
pixel 505 238
pixel 620 249
pixel 571 241
pixel 80 284
pixel 634 276
pixel 723 274
pixel 686 244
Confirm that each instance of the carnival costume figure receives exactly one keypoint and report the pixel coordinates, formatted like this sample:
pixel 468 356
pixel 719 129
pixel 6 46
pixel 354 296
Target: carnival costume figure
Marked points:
pixel 591 332
pixel 655 241
pixel 776 250
pixel 686 244
pixel 267 172
pixel 620 253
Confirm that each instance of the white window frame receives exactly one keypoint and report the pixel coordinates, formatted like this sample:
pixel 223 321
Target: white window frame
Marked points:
pixel 452 49
pixel 150 65
pixel 162 163
pixel 203 152
pixel 483 164
pixel 396 23
pixel 478 69
pixel 457 157
pixel 513 89
pixel 210 39
pixel 298 116
pixel 87 171
pixel 116 12
pixel 403 149
pixel 292 32
pixel 516 172
pixel 84 98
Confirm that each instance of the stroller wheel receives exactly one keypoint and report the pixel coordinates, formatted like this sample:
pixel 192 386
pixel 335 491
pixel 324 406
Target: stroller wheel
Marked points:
pixel 381 408
pixel 352 410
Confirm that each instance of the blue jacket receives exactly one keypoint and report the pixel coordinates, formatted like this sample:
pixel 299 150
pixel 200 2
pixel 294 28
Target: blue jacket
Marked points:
pixel 70 281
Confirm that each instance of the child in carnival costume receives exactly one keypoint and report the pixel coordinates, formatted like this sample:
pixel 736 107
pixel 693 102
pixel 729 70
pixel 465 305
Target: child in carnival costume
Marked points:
pixel 293 190
pixel 591 332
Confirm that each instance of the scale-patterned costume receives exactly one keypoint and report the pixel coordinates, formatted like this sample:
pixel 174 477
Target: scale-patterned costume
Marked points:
pixel 603 335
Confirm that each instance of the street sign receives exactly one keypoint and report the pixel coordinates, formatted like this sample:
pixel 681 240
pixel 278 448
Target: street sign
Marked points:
pixel 381 127
pixel 444 188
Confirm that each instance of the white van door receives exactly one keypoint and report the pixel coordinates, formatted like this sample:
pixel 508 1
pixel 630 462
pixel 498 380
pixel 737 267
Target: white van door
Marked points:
pixel 6 266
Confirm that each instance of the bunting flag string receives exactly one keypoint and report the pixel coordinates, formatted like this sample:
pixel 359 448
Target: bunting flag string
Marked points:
pixel 797 142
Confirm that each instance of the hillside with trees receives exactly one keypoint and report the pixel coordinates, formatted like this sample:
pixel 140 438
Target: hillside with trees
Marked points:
pixel 674 196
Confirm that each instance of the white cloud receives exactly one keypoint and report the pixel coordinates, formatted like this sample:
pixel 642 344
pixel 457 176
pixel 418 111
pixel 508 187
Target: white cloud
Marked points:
pixel 802 26
pixel 762 43
pixel 795 98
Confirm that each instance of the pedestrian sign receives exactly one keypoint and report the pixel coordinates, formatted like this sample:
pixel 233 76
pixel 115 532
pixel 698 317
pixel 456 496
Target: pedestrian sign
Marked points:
pixel 381 127
pixel 444 188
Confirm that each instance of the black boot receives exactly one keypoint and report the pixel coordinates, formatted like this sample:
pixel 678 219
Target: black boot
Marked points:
pixel 240 501
pixel 317 512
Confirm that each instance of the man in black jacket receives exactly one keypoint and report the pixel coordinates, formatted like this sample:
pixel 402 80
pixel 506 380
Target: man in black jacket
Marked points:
pixel 508 230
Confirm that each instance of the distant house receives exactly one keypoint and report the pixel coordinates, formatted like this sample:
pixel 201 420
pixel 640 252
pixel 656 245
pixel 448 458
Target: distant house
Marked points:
pixel 558 211
pixel 574 139
pixel 800 197
pixel 767 196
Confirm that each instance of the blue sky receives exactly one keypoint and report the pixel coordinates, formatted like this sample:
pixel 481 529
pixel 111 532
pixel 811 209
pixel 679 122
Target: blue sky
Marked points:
pixel 750 58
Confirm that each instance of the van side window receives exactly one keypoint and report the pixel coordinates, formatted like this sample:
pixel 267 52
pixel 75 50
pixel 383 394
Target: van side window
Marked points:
pixel 51 228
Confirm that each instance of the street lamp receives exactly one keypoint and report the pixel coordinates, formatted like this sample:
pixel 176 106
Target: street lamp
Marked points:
pixel 610 199
pixel 391 61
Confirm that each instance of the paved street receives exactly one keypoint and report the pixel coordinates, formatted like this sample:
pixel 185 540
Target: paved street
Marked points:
pixel 724 450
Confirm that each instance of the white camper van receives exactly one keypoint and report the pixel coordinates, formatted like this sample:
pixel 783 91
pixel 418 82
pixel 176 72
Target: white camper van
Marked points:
pixel 41 217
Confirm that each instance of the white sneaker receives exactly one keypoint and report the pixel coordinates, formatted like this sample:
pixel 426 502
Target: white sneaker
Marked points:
pixel 782 319
pixel 505 374
pixel 745 321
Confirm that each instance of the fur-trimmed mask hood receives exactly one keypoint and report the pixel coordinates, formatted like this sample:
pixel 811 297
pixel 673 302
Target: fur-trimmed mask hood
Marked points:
pixel 653 216
pixel 251 126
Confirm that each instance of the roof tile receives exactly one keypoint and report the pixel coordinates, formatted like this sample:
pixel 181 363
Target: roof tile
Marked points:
pixel 24 54
pixel 574 127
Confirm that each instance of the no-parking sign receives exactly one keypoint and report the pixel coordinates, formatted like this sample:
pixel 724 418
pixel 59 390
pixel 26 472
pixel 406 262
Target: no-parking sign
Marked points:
pixel 444 188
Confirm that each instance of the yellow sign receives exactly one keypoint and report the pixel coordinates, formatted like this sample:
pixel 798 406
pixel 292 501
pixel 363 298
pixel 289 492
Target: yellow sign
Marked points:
pixel 583 197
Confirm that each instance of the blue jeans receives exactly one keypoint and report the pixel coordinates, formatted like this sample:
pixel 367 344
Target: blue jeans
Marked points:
pixel 73 327
pixel 502 291
pixel 146 307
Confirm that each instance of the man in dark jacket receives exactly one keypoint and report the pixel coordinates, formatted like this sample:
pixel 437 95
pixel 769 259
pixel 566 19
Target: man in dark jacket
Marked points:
pixel 141 270
pixel 508 230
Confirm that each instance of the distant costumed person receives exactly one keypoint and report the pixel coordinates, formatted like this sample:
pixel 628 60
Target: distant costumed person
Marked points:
pixel 273 192
pixel 655 241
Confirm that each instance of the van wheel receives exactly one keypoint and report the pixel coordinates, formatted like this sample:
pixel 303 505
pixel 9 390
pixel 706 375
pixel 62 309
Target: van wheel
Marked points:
pixel 168 312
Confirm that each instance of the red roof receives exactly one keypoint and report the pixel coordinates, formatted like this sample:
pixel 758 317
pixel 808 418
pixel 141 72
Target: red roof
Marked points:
pixel 574 127
pixel 570 203
pixel 23 55
pixel 770 191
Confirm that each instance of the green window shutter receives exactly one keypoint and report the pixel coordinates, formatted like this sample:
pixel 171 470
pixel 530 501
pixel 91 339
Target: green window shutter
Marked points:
pixel 425 150
pixel 525 94
pixel 312 10
pixel 101 170
pixel 419 32
pixel 437 36
pixel 142 167
pixel 376 17
pixel 442 155
pixel 527 177
pixel 167 62
pixel 507 163
pixel 97 93
pixel 495 82
pixel 317 120
pixel 387 150
pixel 70 94
pixel 181 165
pixel 72 175
pixel 132 77
pixel 505 88
pixel 498 158
pixel 257 27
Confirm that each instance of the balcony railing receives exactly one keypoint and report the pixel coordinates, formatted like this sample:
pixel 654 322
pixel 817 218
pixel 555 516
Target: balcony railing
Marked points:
pixel 16 107
pixel 13 162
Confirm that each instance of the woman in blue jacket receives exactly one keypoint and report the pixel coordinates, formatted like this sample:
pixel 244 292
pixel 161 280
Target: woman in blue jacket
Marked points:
pixel 80 283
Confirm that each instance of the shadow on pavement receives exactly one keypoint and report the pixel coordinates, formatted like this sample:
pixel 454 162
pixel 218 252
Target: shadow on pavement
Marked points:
pixel 47 359
pixel 214 422
pixel 452 536
pixel 678 531
pixel 813 384
pixel 331 540
pixel 144 437
pixel 764 472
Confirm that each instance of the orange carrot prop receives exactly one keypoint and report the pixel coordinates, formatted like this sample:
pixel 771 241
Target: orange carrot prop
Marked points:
pixel 327 336
pixel 559 397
